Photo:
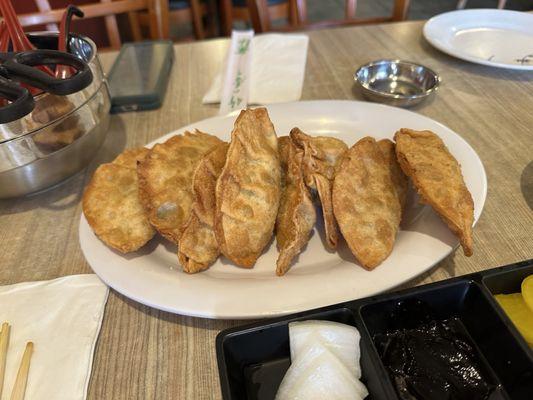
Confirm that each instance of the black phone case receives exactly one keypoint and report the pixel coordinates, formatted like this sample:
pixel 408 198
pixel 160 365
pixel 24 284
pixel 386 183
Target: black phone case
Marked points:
pixel 149 100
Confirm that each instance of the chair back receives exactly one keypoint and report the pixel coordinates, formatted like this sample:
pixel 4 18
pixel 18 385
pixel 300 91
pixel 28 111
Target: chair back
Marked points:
pixel 108 9
pixel 261 20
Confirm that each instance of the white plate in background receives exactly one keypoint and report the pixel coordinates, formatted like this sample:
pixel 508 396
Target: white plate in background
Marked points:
pixel 498 38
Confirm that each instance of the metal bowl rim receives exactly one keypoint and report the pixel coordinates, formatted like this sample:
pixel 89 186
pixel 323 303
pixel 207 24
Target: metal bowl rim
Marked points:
pixel 78 35
pixel 88 99
pixel 426 93
pixel 63 148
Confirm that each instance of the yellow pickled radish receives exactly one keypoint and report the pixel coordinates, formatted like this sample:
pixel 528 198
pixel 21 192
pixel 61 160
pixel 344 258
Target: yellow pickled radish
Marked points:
pixel 518 312
pixel 527 291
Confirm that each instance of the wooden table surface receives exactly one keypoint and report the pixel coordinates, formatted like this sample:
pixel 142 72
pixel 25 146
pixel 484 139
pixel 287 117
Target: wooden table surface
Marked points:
pixel 143 353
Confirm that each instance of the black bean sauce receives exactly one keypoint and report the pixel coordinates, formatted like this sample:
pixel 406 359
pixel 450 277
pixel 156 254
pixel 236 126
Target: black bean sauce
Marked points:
pixel 434 360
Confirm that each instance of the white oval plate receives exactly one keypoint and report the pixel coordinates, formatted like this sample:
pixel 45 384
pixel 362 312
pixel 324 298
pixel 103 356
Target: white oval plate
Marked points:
pixel 152 275
pixel 498 38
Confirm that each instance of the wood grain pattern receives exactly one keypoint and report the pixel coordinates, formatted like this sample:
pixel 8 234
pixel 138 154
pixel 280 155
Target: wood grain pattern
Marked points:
pixel 143 353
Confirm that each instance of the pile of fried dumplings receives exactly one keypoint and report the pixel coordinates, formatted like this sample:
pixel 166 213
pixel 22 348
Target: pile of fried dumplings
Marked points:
pixel 214 198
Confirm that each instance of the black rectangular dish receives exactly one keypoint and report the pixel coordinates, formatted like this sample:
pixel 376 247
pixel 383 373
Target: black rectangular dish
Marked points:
pixel 253 359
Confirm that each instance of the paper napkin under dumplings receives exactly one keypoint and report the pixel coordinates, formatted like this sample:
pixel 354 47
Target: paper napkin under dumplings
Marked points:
pixel 276 73
pixel 62 318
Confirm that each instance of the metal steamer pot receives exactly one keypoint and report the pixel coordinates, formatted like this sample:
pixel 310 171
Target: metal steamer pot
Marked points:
pixel 61 135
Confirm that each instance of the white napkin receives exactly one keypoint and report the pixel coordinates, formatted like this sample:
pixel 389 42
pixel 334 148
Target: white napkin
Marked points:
pixel 277 70
pixel 62 318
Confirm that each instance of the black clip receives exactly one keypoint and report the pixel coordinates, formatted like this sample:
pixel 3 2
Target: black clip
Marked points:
pixel 20 67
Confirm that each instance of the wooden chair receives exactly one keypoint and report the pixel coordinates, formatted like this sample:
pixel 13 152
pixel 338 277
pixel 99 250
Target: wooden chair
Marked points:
pixel 261 20
pixel 43 6
pixel 241 10
pixel 179 12
pixel 108 9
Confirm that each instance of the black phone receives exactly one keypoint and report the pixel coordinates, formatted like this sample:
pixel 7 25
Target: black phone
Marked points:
pixel 138 79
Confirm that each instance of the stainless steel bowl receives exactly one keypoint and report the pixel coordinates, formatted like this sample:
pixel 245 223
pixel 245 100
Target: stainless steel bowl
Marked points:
pixel 61 135
pixel 395 82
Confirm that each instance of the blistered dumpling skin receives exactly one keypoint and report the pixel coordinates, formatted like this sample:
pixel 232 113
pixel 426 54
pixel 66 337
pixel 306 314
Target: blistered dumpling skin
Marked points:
pixel 366 203
pixel 165 180
pixel 296 214
pixel 438 179
pixel 321 158
pixel 197 246
pixel 248 189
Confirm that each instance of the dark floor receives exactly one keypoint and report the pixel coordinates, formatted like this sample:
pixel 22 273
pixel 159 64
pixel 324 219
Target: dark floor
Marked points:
pixel 419 9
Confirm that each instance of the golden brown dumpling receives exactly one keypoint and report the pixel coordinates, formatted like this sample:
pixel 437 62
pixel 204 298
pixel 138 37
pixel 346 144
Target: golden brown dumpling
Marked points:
pixel 399 179
pixel 296 215
pixel 321 157
pixel 198 247
pixel 437 177
pixel 165 180
pixel 366 203
pixel 112 208
pixel 248 189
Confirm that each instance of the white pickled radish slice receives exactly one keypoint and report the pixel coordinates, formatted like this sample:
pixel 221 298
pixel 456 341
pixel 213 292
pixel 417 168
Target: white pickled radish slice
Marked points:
pixel 324 363
pixel 318 374
pixel 341 339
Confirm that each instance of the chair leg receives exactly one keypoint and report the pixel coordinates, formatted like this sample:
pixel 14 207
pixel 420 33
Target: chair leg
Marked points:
pixel 400 10
pixel 259 15
pixel 301 8
pixel 112 29
pixel 210 18
pixel 293 13
pixel 226 17
pixel 501 3
pixel 351 5
pixel 134 25
pixel 461 4
pixel 197 23
pixel 158 17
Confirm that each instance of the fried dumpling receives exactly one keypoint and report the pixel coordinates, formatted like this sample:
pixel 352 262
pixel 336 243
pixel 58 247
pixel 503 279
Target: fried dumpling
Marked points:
pixel 248 189
pixel 165 180
pixel 366 204
pixel 437 177
pixel 284 146
pixel 112 208
pixel 321 156
pixel 399 179
pixel 296 216
pixel 129 158
pixel 111 203
pixel 198 247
